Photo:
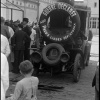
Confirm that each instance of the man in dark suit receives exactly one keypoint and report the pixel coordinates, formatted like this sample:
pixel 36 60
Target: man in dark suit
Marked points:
pixel 28 31
pixel 90 35
pixel 18 41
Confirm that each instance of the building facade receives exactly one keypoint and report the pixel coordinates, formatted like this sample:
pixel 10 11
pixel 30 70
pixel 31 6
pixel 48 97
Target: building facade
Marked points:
pixel 32 9
pixel 94 20
pixel 17 9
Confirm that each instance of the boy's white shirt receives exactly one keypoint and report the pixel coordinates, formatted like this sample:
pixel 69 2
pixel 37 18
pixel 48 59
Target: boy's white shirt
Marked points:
pixel 5 48
pixel 4 76
pixel 23 89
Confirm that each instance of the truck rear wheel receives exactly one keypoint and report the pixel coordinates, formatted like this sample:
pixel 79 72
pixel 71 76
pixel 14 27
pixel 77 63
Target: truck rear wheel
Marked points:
pixel 77 67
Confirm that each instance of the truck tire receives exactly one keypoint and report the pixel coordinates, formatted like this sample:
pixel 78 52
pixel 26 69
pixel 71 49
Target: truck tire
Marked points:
pixel 48 34
pixel 47 48
pixel 87 56
pixel 77 67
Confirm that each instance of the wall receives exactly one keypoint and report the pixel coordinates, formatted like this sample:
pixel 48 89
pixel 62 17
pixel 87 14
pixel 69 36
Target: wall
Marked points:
pixel 29 7
pixel 3 10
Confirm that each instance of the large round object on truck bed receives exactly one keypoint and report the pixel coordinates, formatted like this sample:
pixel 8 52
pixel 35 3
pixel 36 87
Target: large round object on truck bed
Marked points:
pixel 58 22
pixel 52 53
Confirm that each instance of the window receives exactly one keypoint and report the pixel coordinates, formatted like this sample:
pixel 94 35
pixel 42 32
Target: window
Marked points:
pixel 17 3
pixel 94 23
pixel 32 6
pixel 29 5
pixel 13 2
pixel 20 3
pixel 95 4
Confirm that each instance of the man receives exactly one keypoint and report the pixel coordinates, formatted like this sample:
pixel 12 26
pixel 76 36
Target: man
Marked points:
pixel 10 58
pixel 10 29
pixel 18 41
pixel 37 29
pixel 90 36
pixel 5 48
pixel 95 82
pixel 4 76
pixel 33 38
pixel 4 29
pixel 15 26
pixel 28 31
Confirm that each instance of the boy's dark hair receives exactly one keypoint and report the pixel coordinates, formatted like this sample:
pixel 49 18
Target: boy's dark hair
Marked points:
pixel 26 67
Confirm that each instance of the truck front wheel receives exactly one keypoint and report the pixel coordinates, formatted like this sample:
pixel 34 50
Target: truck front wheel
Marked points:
pixel 77 67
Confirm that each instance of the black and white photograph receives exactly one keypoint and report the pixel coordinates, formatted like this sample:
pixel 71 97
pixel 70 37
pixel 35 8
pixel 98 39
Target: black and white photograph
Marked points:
pixel 49 49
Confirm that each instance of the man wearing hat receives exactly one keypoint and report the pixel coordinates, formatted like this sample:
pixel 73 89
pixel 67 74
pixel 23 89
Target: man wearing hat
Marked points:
pixel 18 42
pixel 28 31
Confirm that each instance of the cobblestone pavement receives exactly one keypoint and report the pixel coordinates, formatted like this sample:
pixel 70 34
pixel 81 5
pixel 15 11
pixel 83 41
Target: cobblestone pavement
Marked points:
pixel 82 90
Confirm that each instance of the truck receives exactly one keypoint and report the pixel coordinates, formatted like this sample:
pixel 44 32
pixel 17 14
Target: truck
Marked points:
pixel 62 40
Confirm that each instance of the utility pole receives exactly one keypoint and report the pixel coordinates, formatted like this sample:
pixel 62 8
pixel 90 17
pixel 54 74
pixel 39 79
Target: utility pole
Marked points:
pixel 24 8
pixel 38 10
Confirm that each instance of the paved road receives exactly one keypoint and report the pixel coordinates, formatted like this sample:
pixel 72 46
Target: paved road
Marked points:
pixel 72 91
pixel 95 48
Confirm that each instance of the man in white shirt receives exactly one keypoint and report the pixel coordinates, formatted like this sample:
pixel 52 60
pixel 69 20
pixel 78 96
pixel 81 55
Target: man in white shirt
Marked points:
pixel 33 37
pixel 5 48
pixel 4 76
pixel 11 31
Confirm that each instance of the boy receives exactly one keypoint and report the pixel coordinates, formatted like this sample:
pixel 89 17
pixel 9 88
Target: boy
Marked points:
pixel 27 87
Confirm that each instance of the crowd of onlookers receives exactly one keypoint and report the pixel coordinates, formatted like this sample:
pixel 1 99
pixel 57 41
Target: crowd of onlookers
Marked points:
pixel 21 36
pixel 16 40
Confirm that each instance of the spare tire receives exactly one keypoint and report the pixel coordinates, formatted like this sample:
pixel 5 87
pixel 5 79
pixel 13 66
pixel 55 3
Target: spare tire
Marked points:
pixel 65 9
pixel 52 53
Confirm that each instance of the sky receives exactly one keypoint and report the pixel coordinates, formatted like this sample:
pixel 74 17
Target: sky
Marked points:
pixel 78 0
